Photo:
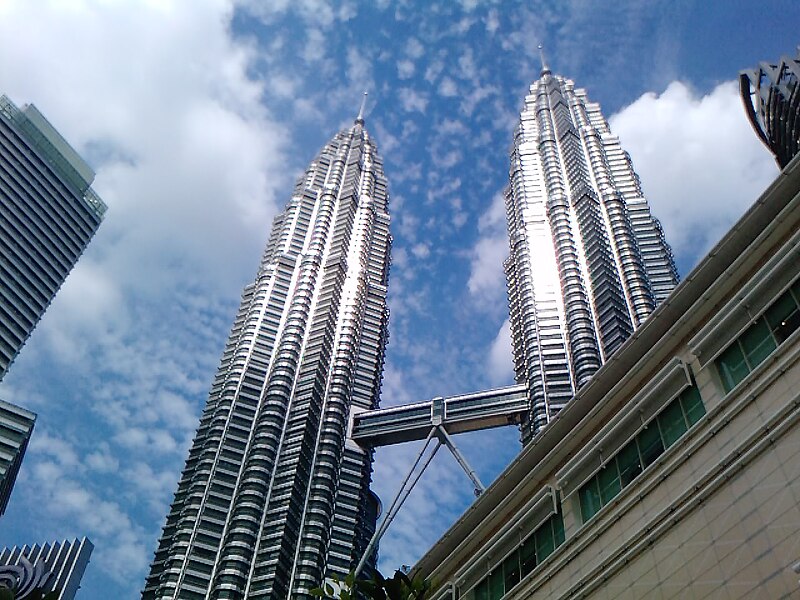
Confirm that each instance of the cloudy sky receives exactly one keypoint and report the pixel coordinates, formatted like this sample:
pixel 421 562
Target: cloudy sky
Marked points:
pixel 199 115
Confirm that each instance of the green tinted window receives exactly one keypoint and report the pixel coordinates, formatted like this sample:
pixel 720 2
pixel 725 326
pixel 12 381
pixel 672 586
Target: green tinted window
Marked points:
pixel 496 590
pixel 672 423
pixel 482 590
pixel 608 478
pixel 629 463
pixel 732 367
pixel 589 496
pixel 558 529
pixel 545 544
pixel 757 343
pixel 650 444
pixel 527 556
pixel 692 405
pixel 511 570
pixel 783 317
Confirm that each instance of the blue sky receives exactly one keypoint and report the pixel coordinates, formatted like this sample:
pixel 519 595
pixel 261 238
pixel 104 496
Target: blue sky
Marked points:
pixel 198 116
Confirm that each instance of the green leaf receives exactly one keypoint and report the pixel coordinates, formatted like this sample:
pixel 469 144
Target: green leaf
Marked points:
pixel 350 580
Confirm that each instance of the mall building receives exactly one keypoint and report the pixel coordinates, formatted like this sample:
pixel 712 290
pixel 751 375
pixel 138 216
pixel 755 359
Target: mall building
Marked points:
pixel 674 473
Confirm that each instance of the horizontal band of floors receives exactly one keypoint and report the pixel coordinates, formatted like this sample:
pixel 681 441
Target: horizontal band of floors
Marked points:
pixel 458 414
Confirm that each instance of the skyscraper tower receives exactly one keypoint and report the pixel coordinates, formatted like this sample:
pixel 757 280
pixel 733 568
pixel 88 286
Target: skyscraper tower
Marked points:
pixel 588 261
pixel 49 214
pixel 16 427
pixel 274 496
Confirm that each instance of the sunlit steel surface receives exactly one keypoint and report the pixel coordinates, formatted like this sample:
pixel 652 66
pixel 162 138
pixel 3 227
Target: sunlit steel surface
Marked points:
pixel 457 414
pixel 771 96
pixel 588 261
pixel 274 497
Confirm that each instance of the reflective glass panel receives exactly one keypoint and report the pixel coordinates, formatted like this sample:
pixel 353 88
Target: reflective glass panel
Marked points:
pixel 589 496
pixel 481 591
pixel 692 405
pixel 629 463
pixel 544 541
pixel 732 367
pixel 672 423
pixel 496 589
pixel 783 317
pixel 511 570
pixel 527 556
pixel 650 444
pixel 757 343
pixel 608 479
pixel 558 529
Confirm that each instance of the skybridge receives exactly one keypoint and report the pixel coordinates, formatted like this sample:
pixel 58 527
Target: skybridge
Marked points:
pixel 456 414
pixel 434 421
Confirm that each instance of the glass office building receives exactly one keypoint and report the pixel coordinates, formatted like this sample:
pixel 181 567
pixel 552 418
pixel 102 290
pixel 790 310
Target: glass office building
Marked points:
pixel 49 213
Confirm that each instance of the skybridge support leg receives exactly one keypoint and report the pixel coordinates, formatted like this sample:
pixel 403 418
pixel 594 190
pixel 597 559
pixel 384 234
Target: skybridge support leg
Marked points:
pixel 400 498
pixel 448 441
pixel 442 438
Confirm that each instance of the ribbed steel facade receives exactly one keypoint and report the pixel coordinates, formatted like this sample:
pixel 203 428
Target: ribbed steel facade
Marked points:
pixel 771 95
pixel 274 496
pixel 588 261
pixel 48 214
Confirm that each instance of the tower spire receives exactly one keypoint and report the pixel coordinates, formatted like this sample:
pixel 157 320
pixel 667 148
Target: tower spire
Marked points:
pixel 360 117
pixel 545 68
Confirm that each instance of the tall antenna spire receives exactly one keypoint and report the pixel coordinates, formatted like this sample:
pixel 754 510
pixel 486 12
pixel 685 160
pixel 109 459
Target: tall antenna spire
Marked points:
pixel 360 117
pixel 545 68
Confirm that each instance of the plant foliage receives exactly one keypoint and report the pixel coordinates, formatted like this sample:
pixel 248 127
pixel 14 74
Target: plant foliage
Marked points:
pixel 399 587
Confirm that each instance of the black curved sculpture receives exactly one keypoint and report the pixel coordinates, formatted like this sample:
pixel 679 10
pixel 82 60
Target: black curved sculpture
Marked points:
pixel 771 96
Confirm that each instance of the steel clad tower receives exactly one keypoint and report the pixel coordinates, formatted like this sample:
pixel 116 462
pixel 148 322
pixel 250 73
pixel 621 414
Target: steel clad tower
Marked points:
pixel 274 496
pixel 588 261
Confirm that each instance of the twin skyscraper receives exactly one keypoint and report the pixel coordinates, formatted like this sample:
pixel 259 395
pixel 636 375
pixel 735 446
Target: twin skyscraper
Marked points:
pixel 275 495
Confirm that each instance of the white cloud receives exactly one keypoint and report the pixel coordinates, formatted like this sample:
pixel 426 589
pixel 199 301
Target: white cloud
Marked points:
pixel 700 162
pixel 102 459
pixel 448 87
pixel 492 21
pixel 412 100
pixel 421 250
pixel 312 12
pixel 467 69
pixel 475 96
pixel 486 282
pixel 414 48
pixel 120 545
pixel 500 364
pixel 359 69
pixel 161 100
pixel 314 48
pixel 433 70
pixel 405 69
pixel 446 160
